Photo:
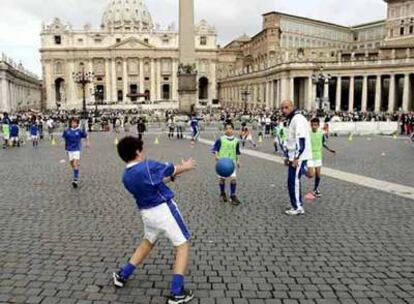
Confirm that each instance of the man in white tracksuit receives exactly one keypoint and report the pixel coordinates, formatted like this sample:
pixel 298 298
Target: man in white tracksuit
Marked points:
pixel 298 151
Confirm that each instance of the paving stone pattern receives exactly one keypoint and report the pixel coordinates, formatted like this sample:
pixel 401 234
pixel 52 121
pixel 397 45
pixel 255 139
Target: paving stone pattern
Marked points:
pixel 59 245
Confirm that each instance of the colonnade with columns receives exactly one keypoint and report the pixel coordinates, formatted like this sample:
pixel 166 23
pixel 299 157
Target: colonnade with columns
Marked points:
pixel 387 92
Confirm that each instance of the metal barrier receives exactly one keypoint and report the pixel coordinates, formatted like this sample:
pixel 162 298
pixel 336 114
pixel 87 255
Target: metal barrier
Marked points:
pixel 364 127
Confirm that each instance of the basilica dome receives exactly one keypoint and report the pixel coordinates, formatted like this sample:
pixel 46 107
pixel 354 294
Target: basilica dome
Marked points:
pixel 127 15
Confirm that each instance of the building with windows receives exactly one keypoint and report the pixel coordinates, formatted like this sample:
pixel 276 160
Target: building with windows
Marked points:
pixel 19 88
pixel 368 67
pixel 133 59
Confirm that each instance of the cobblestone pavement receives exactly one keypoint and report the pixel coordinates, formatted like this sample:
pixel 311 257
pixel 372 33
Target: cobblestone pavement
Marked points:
pixel 59 245
pixel 379 157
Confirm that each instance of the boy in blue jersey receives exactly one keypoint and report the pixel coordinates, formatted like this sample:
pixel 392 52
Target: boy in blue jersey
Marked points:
pixel 195 128
pixel 145 180
pixel 14 134
pixel 73 144
pixel 34 132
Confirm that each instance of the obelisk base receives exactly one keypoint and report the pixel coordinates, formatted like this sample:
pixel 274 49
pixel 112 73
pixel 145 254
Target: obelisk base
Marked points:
pixel 187 90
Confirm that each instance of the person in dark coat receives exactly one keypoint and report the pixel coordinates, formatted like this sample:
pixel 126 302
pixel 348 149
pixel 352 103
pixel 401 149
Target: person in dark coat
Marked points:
pixel 141 128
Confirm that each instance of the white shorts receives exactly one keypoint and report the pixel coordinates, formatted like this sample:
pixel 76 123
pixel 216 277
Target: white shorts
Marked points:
pixel 34 137
pixel 233 176
pixel 75 155
pixel 315 163
pixel 165 219
pixel 14 138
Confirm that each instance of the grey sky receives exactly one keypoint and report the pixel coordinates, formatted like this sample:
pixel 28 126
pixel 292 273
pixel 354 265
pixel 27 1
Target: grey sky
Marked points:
pixel 21 19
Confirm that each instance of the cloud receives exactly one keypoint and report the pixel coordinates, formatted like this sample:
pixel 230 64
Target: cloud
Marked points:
pixel 20 30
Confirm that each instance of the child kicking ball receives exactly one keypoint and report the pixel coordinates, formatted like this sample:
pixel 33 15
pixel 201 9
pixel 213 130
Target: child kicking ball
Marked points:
pixel 145 180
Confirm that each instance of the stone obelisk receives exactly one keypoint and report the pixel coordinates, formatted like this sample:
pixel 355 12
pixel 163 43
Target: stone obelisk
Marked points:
pixel 187 74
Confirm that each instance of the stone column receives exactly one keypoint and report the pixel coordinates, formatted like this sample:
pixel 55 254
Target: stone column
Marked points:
pixel 378 94
pixel 174 79
pixel 107 80
pixel 267 99
pixel 153 81
pixel 158 78
pixel 279 92
pixel 284 92
pixel 391 95
pixel 351 94
pixel 292 89
pixel 141 88
pixel 213 82
pixel 114 80
pixel 125 79
pixel 48 85
pixel 71 87
pixel 4 101
pixel 272 94
pixel 338 94
pixel 326 90
pixel 310 100
pixel 406 93
pixel 364 101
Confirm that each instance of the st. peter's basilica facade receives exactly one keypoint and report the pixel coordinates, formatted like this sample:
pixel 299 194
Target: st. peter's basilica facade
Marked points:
pixel 133 59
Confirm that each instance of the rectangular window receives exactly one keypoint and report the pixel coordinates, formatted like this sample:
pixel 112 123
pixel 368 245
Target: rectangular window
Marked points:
pixel 203 40
pixel 120 95
pixel 58 40
pixel 146 40
pixel 401 31
pixel 118 40
pixel 411 29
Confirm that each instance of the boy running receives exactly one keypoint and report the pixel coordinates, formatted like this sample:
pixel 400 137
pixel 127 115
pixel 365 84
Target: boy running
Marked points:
pixel 246 135
pixel 14 134
pixel 195 128
pixel 5 128
pixel 318 142
pixel 73 143
pixel 171 127
pixel 34 132
pixel 145 180
pixel 228 146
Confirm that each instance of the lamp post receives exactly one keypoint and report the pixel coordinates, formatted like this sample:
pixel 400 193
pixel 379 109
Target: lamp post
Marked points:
pixel 245 95
pixel 83 78
pixel 320 80
pixel 98 93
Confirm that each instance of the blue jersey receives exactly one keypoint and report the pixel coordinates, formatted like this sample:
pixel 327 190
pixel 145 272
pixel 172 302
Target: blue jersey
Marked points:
pixel 14 130
pixel 34 129
pixel 145 181
pixel 194 123
pixel 73 139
